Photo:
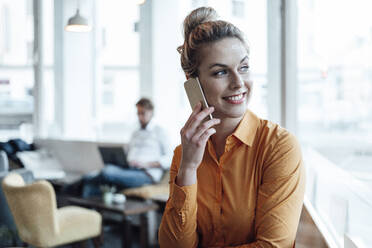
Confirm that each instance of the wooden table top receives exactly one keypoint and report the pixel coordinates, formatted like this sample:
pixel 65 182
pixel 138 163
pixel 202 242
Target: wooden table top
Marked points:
pixel 129 207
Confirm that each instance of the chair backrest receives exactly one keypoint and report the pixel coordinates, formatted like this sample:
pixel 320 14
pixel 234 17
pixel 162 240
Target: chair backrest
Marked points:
pixel 6 218
pixel 4 163
pixel 33 207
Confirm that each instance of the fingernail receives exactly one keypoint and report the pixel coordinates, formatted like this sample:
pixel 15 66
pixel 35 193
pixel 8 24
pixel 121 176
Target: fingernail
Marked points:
pixel 197 106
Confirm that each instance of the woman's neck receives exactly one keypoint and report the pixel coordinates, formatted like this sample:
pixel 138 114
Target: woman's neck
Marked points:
pixel 226 127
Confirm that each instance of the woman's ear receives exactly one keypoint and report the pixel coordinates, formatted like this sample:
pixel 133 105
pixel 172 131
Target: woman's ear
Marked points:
pixel 187 77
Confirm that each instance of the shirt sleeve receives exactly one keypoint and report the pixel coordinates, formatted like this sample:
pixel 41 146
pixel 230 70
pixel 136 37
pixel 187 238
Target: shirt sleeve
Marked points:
pixel 166 150
pixel 280 195
pixel 178 225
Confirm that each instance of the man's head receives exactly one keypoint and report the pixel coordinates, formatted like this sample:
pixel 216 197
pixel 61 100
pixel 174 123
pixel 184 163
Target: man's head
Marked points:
pixel 145 110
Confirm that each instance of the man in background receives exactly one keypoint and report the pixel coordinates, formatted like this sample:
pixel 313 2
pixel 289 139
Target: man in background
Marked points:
pixel 149 153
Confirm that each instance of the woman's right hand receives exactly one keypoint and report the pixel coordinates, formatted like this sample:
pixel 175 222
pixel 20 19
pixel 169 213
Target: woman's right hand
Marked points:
pixel 194 137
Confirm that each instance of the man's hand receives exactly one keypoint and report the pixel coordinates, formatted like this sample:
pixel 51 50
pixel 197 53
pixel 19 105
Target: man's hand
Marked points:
pixel 142 165
pixel 137 164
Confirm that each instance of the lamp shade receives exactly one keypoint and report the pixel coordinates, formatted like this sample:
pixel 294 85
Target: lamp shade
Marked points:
pixel 77 23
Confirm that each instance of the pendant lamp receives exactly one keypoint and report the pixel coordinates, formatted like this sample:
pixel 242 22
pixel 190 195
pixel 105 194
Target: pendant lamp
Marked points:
pixel 77 23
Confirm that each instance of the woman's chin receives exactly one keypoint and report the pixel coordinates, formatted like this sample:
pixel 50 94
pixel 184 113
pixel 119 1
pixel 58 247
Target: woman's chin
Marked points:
pixel 233 114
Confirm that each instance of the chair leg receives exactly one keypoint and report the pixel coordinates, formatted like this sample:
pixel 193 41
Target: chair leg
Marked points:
pixel 75 245
pixel 82 244
pixel 97 241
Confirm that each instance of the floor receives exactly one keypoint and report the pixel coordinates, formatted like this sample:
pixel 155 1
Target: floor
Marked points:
pixel 112 239
pixel 308 235
pixel 112 235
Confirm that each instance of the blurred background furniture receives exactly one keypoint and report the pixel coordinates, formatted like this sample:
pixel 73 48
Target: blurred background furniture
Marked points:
pixel 8 233
pixel 128 209
pixel 158 193
pixel 40 223
pixel 66 151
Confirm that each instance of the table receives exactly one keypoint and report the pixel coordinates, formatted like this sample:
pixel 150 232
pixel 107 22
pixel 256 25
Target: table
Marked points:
pixel 126 209
pixel 161 200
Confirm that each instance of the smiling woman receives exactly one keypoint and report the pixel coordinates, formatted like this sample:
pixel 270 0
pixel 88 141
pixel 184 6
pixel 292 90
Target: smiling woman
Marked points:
pixel 236 180
pixel 224 75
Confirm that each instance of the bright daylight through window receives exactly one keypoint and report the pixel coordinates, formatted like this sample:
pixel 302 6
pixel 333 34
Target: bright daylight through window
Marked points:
pixel 16 71
pixel 335 110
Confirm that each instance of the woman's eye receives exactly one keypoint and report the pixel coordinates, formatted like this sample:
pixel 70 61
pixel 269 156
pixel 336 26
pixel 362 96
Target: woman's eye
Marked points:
pixel 220 73
pixel 244 68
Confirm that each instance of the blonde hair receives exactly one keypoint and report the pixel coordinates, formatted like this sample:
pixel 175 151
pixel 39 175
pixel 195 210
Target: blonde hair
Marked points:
pixel 202 26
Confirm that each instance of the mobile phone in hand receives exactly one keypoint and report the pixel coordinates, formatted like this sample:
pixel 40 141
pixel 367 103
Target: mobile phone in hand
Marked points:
pixel 195 94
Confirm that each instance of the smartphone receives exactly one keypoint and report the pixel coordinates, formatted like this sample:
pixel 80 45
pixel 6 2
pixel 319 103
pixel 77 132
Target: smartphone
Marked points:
pixel 195 94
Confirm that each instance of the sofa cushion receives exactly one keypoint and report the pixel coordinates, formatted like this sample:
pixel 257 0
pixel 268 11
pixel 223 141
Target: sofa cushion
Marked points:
pixel 8 148
pixel 160 189
pixel 148 191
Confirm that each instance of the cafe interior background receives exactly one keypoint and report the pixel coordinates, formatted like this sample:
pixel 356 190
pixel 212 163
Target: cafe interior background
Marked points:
pixel 311 64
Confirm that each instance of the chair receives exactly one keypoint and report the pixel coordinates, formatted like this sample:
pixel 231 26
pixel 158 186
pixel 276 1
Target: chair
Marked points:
pixel 39 222
pixel 158 192
pixel 6 219
pixel 154 191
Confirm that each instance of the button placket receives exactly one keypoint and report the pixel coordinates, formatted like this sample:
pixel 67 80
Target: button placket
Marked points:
pixel 220 195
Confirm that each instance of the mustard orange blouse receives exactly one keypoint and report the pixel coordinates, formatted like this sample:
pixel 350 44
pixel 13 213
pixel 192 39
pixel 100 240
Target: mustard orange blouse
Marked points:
pixel 251 197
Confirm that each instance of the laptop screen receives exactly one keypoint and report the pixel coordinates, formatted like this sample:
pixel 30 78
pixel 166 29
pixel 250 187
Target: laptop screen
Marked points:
pixel 113 155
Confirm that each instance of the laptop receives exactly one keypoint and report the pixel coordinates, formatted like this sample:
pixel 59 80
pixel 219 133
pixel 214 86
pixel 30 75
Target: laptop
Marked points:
pixel 113 155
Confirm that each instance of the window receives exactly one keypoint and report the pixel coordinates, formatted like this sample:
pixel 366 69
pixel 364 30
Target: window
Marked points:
pixel 254 26
pixel 120 58
pixel 47 7
pixel 335 110
pixel 238 8
pixel 253 22
pixel 16 71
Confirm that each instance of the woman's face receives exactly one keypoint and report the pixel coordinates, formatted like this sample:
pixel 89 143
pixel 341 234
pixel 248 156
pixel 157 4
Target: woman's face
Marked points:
pixel 224 76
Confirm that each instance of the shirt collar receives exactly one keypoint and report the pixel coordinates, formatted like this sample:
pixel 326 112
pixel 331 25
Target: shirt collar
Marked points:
pixel 150 126
pixel 247 128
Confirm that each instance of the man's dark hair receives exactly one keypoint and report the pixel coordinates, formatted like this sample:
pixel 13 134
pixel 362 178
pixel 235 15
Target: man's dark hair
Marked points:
pixel 145 103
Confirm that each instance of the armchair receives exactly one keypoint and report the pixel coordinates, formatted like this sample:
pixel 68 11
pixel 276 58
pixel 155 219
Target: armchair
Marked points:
pixel 7 224
pixel 38 220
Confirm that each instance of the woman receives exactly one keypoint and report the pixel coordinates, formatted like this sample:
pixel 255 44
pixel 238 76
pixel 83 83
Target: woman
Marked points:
pixel 236 180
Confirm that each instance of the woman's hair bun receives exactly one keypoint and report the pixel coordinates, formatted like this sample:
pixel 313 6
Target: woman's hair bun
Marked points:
pixel 197 17
pixel 202 26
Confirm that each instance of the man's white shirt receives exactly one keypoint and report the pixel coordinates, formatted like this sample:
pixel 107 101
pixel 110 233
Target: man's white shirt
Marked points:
pixel 149 145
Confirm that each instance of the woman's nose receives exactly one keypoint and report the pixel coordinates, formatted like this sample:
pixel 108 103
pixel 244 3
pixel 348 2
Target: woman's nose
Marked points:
pixel 236 80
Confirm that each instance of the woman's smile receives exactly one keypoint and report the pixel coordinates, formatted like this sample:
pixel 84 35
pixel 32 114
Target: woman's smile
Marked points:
pixel 235 99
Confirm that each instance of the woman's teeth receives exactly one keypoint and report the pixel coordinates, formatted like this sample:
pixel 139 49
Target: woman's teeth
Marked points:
pixel 235 98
